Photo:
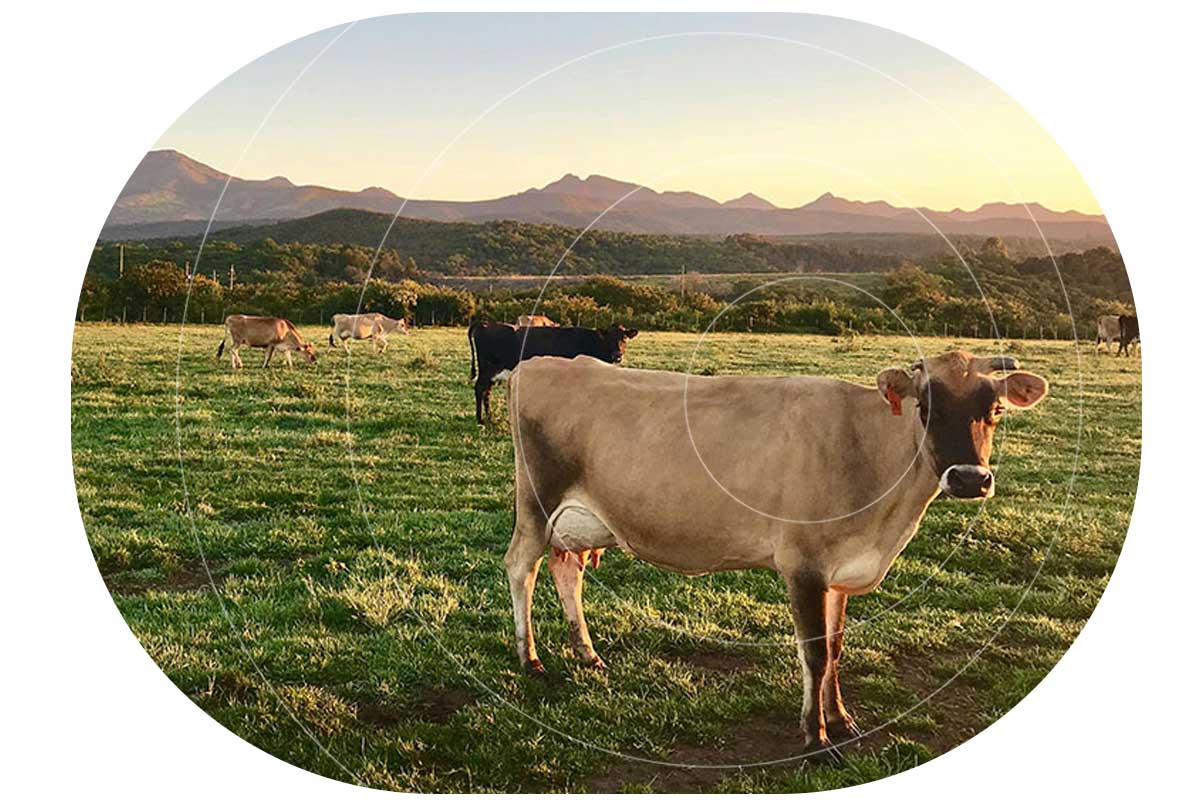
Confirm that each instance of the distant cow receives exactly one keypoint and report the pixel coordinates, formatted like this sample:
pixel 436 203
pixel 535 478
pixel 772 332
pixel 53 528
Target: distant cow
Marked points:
pixel 496 348
pixel 271 333
pixel 824 482
pixel 373 326
pixel 1129 332
pixel 535 321
pixel 1108 330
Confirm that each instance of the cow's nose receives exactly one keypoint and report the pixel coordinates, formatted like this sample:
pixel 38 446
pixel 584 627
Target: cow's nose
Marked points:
pixel 967 481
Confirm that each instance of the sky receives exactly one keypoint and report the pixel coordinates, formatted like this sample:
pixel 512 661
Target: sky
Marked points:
pixel 788 106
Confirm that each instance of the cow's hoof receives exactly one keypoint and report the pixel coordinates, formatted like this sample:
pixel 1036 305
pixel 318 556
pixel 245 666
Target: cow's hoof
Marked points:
pixel 843 729
pixel 534 668
pixel 597 663
pixel 824 752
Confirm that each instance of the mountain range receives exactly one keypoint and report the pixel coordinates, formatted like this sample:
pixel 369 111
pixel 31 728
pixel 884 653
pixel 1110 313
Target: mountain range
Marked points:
pixel 171 194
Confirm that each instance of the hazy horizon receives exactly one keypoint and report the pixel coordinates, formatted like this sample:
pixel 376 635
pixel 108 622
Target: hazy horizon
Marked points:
pixel 715 104
pixel 585 175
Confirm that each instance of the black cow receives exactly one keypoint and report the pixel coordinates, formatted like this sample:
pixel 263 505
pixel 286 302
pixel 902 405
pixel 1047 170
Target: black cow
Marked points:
pixel 1129 332
pixel 498 347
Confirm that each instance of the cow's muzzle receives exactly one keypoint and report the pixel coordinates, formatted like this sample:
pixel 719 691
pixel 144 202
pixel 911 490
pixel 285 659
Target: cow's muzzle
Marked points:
pixel 968 482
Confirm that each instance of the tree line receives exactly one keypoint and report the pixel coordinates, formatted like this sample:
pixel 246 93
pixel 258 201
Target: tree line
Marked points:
pixel 981 291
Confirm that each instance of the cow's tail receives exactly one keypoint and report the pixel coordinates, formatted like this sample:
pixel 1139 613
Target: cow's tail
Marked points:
pixel 331 340
pixel 221 348
pixel 471 338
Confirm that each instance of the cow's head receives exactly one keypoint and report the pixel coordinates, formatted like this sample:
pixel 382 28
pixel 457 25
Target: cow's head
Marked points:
pixel 402 326
pixel 309 351
pixel 615 337
pixel 959 403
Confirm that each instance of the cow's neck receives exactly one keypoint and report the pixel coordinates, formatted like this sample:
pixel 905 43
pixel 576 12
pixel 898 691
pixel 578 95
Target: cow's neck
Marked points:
pixel 907 502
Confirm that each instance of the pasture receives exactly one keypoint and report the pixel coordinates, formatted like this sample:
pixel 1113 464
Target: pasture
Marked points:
pixel 330 587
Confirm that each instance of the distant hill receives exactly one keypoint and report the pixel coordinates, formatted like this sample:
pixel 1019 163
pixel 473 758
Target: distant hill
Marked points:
pixel 170 187
pixel 342 243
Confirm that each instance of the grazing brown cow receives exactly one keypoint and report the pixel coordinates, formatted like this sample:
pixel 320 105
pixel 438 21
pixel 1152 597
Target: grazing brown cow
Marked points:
pixel 271 333
pixel 535 321
pixel 822 480
pixel 373 326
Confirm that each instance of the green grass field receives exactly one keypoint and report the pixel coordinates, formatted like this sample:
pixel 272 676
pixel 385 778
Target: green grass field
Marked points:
pixel 358 621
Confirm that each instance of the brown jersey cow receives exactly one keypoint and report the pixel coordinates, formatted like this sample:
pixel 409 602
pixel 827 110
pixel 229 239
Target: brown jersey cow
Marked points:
pixel 821 480
pixel 270 333
pixel 535 321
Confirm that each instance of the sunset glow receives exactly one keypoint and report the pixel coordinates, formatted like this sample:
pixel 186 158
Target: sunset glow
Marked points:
pixel 785 106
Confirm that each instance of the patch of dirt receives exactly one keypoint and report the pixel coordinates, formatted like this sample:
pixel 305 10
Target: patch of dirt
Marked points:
pixel 440 703
pixel 380 715
pixel 717 661
pixel 435 704
pixel 758 740
pixel 955 707
pixel 188 577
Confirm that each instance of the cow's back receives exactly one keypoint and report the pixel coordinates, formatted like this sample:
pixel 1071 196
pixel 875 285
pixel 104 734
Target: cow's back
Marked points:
pixel 563 342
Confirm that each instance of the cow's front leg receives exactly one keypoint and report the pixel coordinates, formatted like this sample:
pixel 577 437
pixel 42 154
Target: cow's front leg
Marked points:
pixel 270 352
pixel 381 344
pixel 522 561
pixel 806 594
pixel 287 355
pixel 838 722
pixel 567 569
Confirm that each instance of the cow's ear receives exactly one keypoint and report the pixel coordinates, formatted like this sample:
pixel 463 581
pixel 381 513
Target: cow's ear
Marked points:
pixel 1023 389
pixel 630 333
pixel 895 385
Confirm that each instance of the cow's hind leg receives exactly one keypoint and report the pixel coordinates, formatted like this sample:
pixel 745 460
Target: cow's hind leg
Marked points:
pixel 522 561
pixel 806 594
pixel 568 569
pixel 270 352
pixel 838 722
pixel 483 406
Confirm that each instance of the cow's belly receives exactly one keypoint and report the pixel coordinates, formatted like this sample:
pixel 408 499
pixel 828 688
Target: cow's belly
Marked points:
pixel 687 546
